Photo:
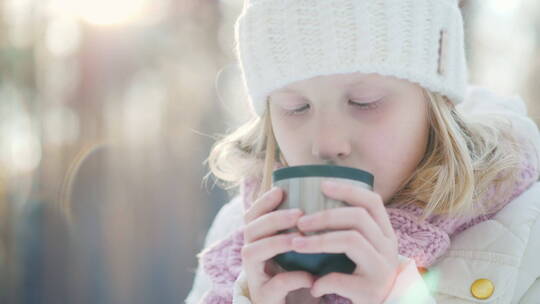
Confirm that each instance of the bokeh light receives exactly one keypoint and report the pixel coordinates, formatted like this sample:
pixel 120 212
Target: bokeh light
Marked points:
pixel 20 145
pixel 63 36
pixel 101 12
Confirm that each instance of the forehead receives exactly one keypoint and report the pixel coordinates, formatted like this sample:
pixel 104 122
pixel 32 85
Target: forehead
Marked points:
pixel 342 82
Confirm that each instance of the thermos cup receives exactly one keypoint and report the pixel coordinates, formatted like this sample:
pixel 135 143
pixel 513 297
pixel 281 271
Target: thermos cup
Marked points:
pixel 302 187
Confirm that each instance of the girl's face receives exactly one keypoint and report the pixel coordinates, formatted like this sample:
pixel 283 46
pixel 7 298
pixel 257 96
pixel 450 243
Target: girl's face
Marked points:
pixel 367 121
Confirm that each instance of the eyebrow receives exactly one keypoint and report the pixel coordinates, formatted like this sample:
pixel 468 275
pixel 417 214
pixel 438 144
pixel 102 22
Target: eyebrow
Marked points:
pixel 355 83
pixel 286 90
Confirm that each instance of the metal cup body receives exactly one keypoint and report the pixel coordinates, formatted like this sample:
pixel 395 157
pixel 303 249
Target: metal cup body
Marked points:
pixel 303 191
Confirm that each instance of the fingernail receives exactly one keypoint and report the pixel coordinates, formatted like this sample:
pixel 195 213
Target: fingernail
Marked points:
pixel 294 212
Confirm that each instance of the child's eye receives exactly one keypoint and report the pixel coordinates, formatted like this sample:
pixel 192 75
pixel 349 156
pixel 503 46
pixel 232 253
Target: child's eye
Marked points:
pixel 367 105
pixel 363 106
pixel 297 111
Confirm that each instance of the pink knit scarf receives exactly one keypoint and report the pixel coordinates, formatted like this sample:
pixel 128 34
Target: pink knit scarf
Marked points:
pixel 422 241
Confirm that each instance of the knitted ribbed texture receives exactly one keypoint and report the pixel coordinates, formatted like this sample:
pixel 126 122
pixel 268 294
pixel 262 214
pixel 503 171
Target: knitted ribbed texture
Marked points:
pixel 283 41
pixel 424 241
pixel 223 263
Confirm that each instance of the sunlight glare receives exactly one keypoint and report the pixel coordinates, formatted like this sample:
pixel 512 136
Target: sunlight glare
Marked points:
pixel 100 12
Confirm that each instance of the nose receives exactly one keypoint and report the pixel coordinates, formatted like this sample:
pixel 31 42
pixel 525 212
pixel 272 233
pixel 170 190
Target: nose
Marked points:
pixel 331 142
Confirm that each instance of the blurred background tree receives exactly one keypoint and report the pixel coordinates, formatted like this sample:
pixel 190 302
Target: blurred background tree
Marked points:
pixel 108 109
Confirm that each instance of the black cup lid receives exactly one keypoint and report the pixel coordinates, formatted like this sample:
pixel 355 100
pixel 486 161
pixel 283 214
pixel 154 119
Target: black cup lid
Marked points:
pixel 323 171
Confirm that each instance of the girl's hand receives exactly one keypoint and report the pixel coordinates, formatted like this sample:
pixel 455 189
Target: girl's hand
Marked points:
pixel 267 283
pixel 366 236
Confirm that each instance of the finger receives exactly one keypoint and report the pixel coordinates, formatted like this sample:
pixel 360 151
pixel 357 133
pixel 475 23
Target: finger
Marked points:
pixel 283 283
pixel 254 255
pixel 271 223
pixel 272 268
pixel 345 285
pixel 349 242
pixel 347 218
pixel 358 196
pixel 269 201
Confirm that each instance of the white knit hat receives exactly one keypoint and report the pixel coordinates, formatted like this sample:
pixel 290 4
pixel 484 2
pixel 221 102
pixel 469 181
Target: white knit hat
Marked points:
pixel 283 41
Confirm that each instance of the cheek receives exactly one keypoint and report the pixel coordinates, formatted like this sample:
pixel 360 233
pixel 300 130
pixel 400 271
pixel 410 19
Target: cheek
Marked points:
pixel 288 141
pixel 394 142
pixel 400 149
pixel 406 137
pixel 394 152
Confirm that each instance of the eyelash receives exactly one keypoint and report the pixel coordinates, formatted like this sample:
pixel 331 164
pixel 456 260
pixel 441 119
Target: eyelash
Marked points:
pixel 363 106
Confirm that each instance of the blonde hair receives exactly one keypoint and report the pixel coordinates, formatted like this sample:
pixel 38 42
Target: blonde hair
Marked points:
pixel 463 160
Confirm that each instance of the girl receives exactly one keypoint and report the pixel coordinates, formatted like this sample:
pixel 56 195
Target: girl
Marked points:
pixel 379 85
